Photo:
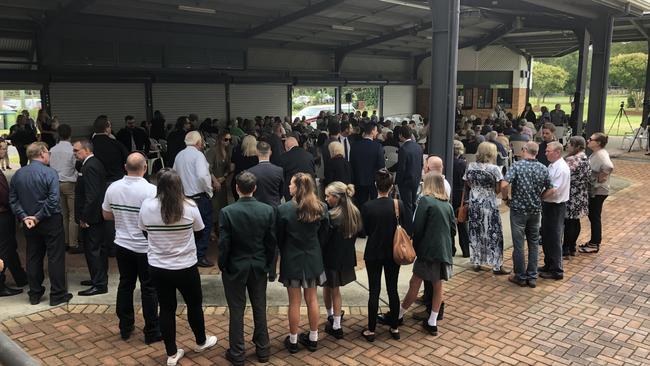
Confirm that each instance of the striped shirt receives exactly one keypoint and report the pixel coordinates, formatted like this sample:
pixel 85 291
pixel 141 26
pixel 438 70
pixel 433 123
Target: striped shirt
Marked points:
pixel 170 246
pixel 123 199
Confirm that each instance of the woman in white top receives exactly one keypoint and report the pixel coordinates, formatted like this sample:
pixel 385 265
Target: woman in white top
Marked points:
pixel 601 170
pixel 170 221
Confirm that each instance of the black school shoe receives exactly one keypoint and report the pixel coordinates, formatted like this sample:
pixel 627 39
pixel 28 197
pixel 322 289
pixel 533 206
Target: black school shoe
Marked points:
pixel 303 339
pixel 336 333
pixel 431 329
pixel 383 319
pixel 330 318
pixel 291 347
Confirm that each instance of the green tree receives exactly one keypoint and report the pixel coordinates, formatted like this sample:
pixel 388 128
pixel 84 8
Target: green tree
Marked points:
pixel 626 71
pixel 547 79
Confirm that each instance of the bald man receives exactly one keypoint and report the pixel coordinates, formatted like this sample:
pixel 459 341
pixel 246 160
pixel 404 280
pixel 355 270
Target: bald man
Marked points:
pixel 434 164
pixel 295 160
pixel 122 204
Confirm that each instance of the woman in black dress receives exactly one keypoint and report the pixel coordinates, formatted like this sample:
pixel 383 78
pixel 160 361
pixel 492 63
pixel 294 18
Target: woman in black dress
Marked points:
pixel 302 228
pixel 339 254
pixel 337 168
pixel 46 129
pixel 244 156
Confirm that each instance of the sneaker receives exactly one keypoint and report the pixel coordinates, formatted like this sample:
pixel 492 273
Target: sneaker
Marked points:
pixel 209 342
pixel 173 360
pixel 303 338
pixel 291 347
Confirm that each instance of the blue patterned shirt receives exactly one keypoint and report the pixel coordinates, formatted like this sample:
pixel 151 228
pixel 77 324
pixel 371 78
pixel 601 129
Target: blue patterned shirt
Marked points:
pixel 529 179
pixel 34 191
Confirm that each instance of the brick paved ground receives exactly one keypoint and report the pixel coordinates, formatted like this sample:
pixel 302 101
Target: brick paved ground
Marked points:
pixel 599 314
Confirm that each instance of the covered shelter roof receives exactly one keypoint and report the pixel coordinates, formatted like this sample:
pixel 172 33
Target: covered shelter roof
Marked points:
pixel 393 28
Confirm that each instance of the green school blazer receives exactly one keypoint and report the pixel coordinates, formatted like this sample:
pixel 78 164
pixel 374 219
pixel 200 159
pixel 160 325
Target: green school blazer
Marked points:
pixel 300 243
pixel 434 226
pixel 246 239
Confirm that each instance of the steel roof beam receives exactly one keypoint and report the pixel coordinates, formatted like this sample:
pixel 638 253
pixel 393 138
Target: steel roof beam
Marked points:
pixel 513 48
pixel 566 51
pixel 292 17
pixel 493 36
pixel 640 28
pixel 15 54
pixel 566 7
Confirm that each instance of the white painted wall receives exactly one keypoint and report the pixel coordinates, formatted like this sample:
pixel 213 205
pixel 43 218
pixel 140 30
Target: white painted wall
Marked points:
pixel 491 58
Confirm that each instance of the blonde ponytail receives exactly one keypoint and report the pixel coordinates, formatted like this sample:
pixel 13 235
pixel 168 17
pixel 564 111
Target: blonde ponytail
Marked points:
pixel 346 210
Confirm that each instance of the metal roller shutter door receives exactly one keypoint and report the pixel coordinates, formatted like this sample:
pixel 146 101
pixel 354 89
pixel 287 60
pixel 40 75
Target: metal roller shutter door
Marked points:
pixel 78 104
pixel 399 100
pixel 250 100
pixel 175 100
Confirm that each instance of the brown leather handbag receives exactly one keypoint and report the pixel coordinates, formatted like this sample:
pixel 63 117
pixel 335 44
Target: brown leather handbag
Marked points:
pixel 462 209
pixel 403 251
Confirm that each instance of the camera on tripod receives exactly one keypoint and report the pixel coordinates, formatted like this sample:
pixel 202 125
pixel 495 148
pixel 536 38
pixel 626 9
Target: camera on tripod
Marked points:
pixel 622 104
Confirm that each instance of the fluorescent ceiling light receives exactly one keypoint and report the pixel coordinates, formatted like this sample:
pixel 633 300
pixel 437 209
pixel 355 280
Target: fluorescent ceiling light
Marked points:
pixel 197 10
pixel 406 3
pixel 342 27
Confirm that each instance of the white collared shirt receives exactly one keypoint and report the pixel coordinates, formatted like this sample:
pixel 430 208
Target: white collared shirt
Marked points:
pixel 346 146
pixel 560 175
pixel 63 161
pixel 194 170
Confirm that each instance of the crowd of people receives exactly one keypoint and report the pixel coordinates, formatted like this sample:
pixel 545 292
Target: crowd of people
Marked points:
pixel 298 195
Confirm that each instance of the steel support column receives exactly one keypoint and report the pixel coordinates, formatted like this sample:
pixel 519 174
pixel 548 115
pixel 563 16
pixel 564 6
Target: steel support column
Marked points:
pixel 148 99
pixel 444 45
pixel 581 78
pixel 337 99
pixel 601 30
pixel 380 112
pixel 45 98
pixel 290 101
pixel 646 94
pixel 529 64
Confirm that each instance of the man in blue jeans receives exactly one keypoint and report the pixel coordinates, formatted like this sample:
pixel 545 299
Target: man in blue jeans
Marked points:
pixel 528 179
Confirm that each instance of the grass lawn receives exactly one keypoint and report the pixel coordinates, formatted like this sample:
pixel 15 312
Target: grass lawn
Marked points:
pixel 613 105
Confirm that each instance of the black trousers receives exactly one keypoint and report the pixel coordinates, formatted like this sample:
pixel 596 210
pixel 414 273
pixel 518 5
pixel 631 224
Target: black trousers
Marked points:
pixel 9 250
pixel 571 233
pixel 134 266
pixel 408 193
pixel 46 238
pixel 391 273
pixel 463 237
pixel 96 254
pixel 364 194
pixel 188 282
pixel 236 297
pixel 595 211
pixel 552 229
pixel 22 155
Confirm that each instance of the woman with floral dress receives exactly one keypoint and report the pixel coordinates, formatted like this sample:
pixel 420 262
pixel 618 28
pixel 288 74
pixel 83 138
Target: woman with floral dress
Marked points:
pixel 485 232
pixel 578 204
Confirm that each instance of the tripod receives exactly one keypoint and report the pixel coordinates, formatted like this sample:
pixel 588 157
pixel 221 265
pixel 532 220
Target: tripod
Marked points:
pixel 617 119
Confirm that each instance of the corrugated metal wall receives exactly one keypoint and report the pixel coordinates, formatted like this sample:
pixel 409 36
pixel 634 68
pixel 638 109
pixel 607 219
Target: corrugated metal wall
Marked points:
pixel 175 100
pixel 78 104
pixel 399 99
pixel 250 100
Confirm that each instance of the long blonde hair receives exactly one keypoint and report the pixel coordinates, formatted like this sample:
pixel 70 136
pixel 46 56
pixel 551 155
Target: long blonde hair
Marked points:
pixel 346 210
pixel 249 146
pixel 309 206
pixel 434 186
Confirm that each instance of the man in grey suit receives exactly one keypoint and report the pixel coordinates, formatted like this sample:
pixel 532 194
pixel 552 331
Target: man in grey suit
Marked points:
pixel 246 246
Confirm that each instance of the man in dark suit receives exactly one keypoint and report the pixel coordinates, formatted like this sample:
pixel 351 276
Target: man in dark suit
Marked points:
pixel 133 137
pixel 295 160
pixel 334 130
pixel 270 184
pixel 366 158
pixel 409 168
pixel 246 247
pixel 274 140
pixel 89 195
pixel 112 155
pixel 176 139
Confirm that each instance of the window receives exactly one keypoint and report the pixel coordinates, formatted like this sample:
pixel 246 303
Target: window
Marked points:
pixel 504 98
pixel 484 98
pixel 468 95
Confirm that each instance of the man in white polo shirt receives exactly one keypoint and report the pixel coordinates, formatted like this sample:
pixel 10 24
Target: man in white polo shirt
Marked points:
pixel 553 210
pixel 194 170
pixel 122 204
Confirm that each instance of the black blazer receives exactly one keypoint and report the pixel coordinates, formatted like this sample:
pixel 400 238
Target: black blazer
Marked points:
pixel 140 138
pixel 89 192
pixel 112 154
pixel 366 158
pixel 246 240
pixel 325 150
pixel 175 143
pixel 460 165
pixel 409 164
pixel 339 252
pixel 270 183
pixel 337 169
pixel 379 224
pixel 296 160
pixel 277 147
